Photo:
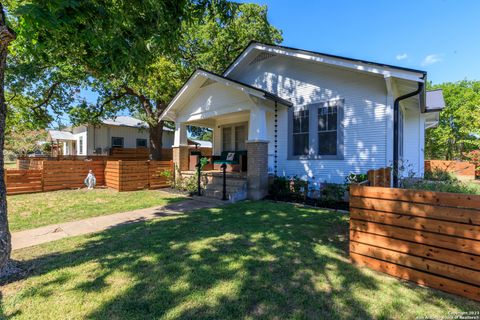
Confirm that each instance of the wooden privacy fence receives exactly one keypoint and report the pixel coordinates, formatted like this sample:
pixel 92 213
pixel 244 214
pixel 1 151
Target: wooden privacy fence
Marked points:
pixel 461 168
pixel 23 181
pixel 380 177
pixel 431 238
pixel 58 175
pixel 136 175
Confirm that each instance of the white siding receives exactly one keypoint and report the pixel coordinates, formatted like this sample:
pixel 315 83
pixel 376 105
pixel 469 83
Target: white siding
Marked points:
pixel 412 143
pixel 80 133
pixel 302 83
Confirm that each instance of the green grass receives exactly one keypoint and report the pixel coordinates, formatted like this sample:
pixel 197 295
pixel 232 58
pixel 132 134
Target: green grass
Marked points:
pixel 33 210
pixel 10 165
pixel 244 261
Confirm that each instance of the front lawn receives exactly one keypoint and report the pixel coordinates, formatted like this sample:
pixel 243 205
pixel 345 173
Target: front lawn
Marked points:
pixel 244 261
pixel 33 210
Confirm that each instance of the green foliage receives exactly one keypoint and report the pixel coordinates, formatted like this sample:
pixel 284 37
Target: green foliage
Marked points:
pixel 355 178
pixel 453 186
pixel 332 192
pixel 24 142
pixel 439 175
pixel 135 55
pixel 458 131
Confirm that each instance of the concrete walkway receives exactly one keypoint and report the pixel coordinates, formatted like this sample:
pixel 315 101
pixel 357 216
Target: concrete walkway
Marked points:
pixel 33 237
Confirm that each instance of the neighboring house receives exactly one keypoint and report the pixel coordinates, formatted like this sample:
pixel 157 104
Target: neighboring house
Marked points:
pixel 308 114
pixel 122 131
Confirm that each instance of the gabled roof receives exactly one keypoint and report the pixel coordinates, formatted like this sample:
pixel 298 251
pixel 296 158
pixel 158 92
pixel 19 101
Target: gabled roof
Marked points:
pixel 200 143
pixel 339 61
pixel 210 76
pixel 125 121
pixel 60 135
pixel 128 121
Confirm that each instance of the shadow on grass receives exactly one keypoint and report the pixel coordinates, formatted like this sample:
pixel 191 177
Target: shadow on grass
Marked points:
pixel 259 260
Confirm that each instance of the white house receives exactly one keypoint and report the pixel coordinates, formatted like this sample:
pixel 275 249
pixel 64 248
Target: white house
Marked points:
pixel 308 114
pixel 122 131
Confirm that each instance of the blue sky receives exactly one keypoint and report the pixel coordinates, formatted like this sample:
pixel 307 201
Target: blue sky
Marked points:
pixel 441 37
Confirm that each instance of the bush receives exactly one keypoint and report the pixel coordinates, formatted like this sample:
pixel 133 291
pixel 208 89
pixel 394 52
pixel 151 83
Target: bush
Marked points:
pixel 439 175
pixel 332 192
pixel 454 186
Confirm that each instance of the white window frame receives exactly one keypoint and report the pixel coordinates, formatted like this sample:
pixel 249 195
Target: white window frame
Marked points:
pixel 313 131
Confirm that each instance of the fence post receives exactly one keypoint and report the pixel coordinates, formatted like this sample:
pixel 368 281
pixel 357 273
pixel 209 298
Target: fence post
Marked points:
pixel 224 193
pixel 199 172
pixel 120 175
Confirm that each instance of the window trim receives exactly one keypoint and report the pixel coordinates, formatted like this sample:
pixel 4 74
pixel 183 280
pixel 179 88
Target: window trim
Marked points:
pixel 80 145
pixel 142 139
pixel 123 142
pixel 313 131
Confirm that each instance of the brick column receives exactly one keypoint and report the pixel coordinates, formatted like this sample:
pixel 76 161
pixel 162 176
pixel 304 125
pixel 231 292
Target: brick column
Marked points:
pixel 180 157
pixel 257 169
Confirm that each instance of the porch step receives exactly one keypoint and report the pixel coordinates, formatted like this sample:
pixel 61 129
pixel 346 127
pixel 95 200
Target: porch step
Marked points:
pixel 232 196
pixel 212 185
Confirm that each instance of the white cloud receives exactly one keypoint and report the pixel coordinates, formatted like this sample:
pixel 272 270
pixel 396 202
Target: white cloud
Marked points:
pixel 401 56
pixel 431 59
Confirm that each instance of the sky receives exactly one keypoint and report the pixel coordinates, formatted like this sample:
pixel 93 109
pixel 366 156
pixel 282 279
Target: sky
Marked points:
pixel 441 37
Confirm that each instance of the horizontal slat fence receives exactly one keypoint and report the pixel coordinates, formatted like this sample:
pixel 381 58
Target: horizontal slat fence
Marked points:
pixel 58 175
pixel 380 177
pixel 431 238
pixel 136 175
pixel 461 168
pixel 23 181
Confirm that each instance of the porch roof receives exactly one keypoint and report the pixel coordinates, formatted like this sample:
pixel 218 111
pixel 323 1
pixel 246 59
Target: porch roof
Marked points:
pixel 201 78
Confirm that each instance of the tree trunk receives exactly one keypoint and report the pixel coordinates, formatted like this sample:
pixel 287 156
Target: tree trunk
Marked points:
pixel 156 143
pixel 6 36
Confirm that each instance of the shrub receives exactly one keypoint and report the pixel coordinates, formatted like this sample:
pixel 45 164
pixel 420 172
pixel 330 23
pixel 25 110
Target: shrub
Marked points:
pixel 439 175
pixel 332 192
pixel 454 186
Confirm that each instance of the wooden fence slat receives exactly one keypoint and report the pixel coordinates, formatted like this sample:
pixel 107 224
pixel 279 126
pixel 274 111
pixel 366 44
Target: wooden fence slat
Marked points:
pixel 461 215
pixel 422 264
pixel 418 223
pixel 438 240
pixel 426 197
pixel 423 278
pixel 418 249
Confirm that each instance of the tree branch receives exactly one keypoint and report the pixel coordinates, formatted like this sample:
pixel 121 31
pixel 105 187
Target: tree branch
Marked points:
pixel 48 96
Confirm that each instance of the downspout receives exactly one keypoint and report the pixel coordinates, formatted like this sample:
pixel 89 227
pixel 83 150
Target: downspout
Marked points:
pixel 396 116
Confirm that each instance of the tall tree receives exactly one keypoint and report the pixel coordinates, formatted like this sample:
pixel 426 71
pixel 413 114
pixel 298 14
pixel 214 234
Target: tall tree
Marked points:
pixel 458 131
pixel 7 35
pixel 127 73
pixel 64 46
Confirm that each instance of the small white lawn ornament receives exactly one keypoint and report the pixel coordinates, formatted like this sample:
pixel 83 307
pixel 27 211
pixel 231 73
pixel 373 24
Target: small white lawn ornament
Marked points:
pixel 90 180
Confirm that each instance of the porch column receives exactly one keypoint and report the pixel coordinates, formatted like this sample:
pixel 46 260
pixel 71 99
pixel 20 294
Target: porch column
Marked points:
pixel 257 154
pixel 180 147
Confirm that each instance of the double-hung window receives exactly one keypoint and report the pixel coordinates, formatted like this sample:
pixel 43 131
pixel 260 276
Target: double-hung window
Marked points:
pixel 316 131
pixel 300 132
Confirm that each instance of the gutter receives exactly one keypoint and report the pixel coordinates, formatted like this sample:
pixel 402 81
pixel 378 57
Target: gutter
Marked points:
pixel 396 116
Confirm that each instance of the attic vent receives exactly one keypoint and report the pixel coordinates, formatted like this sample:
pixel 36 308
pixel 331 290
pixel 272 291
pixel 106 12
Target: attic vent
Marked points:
pixel 207 83
pixel 262 56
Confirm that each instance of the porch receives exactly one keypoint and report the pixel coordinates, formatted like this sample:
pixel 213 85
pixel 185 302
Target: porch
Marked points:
pixel 243 121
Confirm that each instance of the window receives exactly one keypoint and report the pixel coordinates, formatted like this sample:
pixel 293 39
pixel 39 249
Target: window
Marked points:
pixel 327 130
pixel 300 132
pixel 316 131
pixel 227 139
pixel 117 142
pixel 240 137
pixel 141 143
pixel 80 145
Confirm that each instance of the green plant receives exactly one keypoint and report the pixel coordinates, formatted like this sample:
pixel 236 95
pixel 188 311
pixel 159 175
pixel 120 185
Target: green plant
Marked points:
pixel 332 192
pixel 439 175
pixel 168 174
pixel 453 186
pixel 356 178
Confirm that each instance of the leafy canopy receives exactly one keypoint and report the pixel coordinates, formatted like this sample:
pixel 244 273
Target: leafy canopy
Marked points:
pixel 458 131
